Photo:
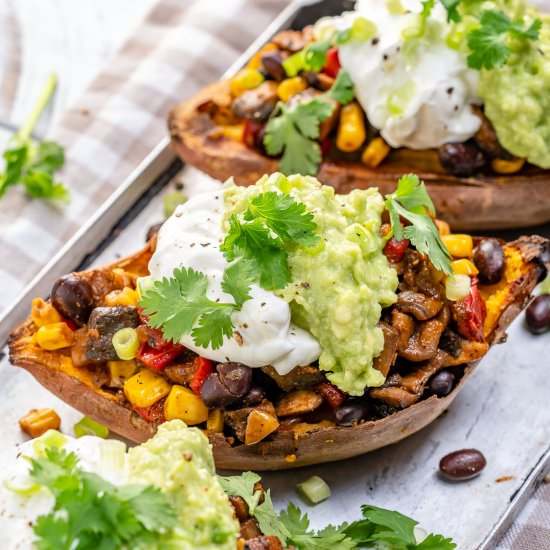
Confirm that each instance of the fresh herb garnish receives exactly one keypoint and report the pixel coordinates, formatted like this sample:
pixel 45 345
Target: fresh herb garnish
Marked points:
pixel 293 131
pixel 452 10
pixel 312 58
pixel 411 201
pixel 489 43
pixel 33 164
pixel 91 513
pixel 292 527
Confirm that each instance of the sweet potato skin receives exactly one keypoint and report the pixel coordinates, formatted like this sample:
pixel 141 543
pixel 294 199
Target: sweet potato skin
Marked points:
pixel 54 370
pixel 475 203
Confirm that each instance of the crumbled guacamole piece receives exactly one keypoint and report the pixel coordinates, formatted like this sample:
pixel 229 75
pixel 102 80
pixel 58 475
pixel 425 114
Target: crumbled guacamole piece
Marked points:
pixel 339 287
pixel 178 460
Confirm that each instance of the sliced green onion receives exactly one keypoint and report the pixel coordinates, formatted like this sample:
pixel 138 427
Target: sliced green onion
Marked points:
pixel 415 29
pixel 51 438
pixel 399 99
pixel 544 287
pixel 457 286
pixel 113 454
pixel 126 343
pixel 25 490
pixel 363 29
pixel 143 284
pixel 87 426
pixel 395 7
pixel 315 489
pixel 295 63
pixel 172 201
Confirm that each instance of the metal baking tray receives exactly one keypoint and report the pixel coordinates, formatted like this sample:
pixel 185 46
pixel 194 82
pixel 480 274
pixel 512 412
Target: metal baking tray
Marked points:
pixel 502 410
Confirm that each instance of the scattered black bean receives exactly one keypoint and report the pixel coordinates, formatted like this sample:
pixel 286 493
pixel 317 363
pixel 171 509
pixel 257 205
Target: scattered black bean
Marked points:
pixel 462 465
pixel 272 62
pixel 215 394
pixel 237 378
pixel 350 413
pixel 442 383
pixel 461 159
pixel 73 298
pixel 537 314
pixel 489 259
pixel 254 397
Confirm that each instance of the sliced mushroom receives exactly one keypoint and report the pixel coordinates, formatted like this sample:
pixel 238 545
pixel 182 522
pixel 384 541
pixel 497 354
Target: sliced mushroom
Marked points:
pixel 386 359
pixel 419 305
pixel 293 41
pixel 256 104
pixel 298 402
pixel 298 378
pixel 404 325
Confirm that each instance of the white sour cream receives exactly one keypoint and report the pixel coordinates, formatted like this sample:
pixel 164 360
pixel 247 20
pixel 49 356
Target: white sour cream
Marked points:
pixel 264 334
pixel 418 92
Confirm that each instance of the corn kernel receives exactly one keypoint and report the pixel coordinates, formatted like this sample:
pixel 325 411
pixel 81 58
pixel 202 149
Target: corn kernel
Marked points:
pixel 245 79
pixel 290 87
pixel 459 246
pixel 43 313
pixel 233 131
pixel 443 227
pixel 54 336
pixel 125 297
pixel 186 405
pixel 502 166
pixel 351 130
pixel 120 371
pixel 375 152
pixel 39 421
pixel 255 62
pixel 123 278
pixel 214 424
pixel 145 388
pixel 259 425
pixel 464 267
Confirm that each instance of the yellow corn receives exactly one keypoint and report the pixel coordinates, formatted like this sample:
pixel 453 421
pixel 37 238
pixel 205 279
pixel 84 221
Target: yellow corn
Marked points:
pixel 145 388
pixel 259 425
pixel 233 131
pixel 120 371
pixel 375 152
pixel 43 313
pixel 214 424
pixel 443 227
pixel 502 166
pixel 459 246
pixel 39 421
pixel 464 267
pixel 123 278
pixel 125 297
pixel 186 405
pixel 54 336
pixel 289 87
pixel 245 79
pixel 351 131
pixel 255 62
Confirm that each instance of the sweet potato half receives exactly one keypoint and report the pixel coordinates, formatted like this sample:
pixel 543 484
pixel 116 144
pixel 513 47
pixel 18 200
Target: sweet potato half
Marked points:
pixel 528 259
pixel 473 203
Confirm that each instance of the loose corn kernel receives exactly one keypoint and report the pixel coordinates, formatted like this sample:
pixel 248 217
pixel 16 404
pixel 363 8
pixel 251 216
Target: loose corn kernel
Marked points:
pixel 502 166
pixel 145 388
pixel 54 336
pixel 125 297
pixel 351 131
pixel 43 313
pixel 39 421
pixel 123 278
pixel 464 267
pixel 245 79
pixel 186 405
pixel 375 152
pixel 443 227
pixel 120 371
pixel 214 424
pixel 259 425
pixel 289 87
pixel 233 131
pixel 255 62
pixel 459 246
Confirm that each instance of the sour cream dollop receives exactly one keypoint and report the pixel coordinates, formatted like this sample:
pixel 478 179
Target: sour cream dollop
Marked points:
pixel 264 334
pixel 417 91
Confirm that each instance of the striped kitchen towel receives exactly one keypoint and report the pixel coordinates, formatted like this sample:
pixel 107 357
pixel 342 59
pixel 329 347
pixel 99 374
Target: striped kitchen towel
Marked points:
pixel 180 46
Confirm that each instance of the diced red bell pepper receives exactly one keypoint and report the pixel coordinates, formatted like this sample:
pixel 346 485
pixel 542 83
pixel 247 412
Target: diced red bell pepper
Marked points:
pixel 395 250
pixel 332 67
pixel 158 359
pixel 153 413
pixel 326 145
pixel 470 313
pixel 332 395
pixel 203 368
pixel 251 131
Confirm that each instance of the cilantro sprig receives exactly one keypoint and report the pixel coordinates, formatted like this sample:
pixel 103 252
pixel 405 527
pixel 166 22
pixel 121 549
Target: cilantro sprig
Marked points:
pixel 411 201
pixel 292 527
pixel 91 513
pixel 33 165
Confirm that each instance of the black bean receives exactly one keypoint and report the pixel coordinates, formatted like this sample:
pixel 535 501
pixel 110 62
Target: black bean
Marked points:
pixel 272 62
pixel 152 231
pixel 537 314
pixel 215 394
pixel 489 259
pixel 462 465
pixel 461 159
pixel 350 413
pixel 442 383
pixel 73 298
pixel 237 378
pixel 253 397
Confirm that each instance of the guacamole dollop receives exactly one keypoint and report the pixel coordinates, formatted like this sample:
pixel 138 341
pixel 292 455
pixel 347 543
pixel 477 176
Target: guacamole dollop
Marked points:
pixel 339 287
pixel 516 95
pixel 178 460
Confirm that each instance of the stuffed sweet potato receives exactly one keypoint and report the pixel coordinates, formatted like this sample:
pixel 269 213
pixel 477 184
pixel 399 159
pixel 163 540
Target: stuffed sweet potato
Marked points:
pixel 392 104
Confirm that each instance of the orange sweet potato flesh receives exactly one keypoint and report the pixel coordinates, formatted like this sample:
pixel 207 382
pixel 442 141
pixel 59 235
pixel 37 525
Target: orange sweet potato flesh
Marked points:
pixel 474 203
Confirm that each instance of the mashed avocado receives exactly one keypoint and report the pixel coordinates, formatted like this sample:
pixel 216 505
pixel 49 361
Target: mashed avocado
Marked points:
pixel 178 460
pixel 516 95
pixel 339 287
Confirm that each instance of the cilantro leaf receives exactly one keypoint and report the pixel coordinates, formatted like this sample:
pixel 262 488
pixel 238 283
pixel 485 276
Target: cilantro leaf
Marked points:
pixel 411 201
pixel 343 88
pixel 213 326
pixel 237 279
pixel 436 542
pixel 488 44
pixel 452 10
pixel 392 526
pixel 243 486
pixel 268 520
